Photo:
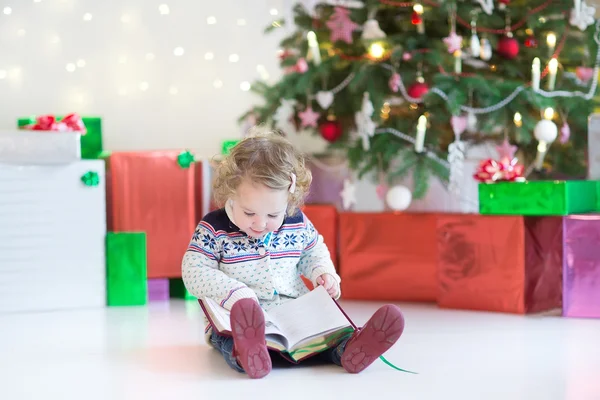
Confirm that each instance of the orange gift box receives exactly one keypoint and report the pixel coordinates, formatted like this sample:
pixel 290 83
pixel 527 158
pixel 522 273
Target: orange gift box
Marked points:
pixel 388 256
pixel 149 192
pixel 507 264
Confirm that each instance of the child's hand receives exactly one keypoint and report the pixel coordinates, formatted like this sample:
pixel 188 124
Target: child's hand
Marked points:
pixel 330 284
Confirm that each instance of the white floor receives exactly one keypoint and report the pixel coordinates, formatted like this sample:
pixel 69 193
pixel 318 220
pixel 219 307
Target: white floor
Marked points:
pixel 157 352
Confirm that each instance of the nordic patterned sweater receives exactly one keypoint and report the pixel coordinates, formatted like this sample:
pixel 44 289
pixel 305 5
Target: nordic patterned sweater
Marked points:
pixel 227 265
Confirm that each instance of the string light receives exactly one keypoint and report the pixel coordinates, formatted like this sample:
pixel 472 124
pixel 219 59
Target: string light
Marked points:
pixel 3 74
pixel 21 32
pixel 245 86
pixel 273 11
pixel 211 20
pixel 218 84
pixel 71 67
pixel 234 58
pixel 150 56
pixel 549 113
pixel 81 63
pixel 376 50
pixel 241 22
pixel 123 60
pixel 37 1
pixel 125 18
pixel 55 39
pixel 173 90
pixel 144 86
pixel 209 56
pixel 518 119
pixel 262 71
pixel 178 51
pixel 7 10
pixel 87 17
pixel 163 9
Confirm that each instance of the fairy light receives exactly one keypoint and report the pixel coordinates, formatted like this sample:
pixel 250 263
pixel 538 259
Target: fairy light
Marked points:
pixel 7 10
pixel 3 74
pixel 150 56
pixel 144 86
pixel 518 119
pixel 164 9
pixel 209 56
pixel 376 50
pixel 81 63
pixel 218 84
pixel 211 20
pixel 549 113
pixel 551 42
pixel 21 32
pixel 71 67
pixel 125 18
pixel 245 86
pixel 173 90
pixel 178 51
pixel 241 22
pixel 273 11
pixel 234 58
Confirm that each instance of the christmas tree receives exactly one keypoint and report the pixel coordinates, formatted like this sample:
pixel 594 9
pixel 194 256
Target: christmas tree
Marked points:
pixel 404 87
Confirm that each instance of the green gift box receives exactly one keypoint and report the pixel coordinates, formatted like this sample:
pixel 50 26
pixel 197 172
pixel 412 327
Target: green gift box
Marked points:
pixel 91 142
pixel 538 198
pixel 177 290
pixel 126 269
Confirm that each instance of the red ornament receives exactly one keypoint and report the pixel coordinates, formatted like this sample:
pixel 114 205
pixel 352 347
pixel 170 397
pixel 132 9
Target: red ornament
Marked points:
pixel 531 41
pixel 416 18
pixel 508 47
pixel 418 90
pixel 331 130
pixel 505 2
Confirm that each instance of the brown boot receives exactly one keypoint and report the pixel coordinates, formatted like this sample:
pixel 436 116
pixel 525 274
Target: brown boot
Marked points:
pixel 375 338
pixel 248 329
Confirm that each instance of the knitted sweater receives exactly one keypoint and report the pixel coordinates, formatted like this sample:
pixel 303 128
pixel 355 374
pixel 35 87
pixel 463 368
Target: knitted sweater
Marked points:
pixel 227 265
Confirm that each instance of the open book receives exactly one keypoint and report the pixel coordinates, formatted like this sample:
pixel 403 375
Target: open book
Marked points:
pixel 298 328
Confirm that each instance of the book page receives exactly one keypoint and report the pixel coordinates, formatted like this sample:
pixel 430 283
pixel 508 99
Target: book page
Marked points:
pixel 311 315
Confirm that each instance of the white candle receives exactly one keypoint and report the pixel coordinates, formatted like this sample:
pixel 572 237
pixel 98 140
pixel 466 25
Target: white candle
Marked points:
pixel 551 42
pixel 421 128
pixel 313 47
pixel 418 8
pixel 542 148
pixel 535 74
pixel 552 69
pixel 458 62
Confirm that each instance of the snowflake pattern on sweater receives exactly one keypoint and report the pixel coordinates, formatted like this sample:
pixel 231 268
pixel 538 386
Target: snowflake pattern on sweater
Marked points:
pixel 225 264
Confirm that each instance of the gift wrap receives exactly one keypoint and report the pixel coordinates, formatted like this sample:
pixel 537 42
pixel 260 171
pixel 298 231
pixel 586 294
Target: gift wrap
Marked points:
pixel 150 192
pixel 126 283
pixel 158 289
pixel 388 256
pixel 91 142
pixel 39 147
pixel 581 273
pixel 509 264
pixel 538 198
pixel 52 235
pixel 325 220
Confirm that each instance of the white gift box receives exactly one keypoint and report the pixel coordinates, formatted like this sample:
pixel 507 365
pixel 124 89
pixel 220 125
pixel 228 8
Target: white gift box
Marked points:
pixel 52 237
pixel 39 147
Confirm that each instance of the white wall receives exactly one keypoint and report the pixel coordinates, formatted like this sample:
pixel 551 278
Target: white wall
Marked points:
pixel 39 39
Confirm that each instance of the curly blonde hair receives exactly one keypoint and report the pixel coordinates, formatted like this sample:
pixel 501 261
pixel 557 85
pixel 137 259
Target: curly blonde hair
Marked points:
pixel 264 157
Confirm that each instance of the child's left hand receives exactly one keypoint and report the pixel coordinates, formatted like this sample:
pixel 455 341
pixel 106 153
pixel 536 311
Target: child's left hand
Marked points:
pixel 330 284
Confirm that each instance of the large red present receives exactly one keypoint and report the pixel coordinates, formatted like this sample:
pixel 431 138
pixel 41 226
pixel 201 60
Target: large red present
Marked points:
pixel 151 192
pixel 388 256
pixel 500 263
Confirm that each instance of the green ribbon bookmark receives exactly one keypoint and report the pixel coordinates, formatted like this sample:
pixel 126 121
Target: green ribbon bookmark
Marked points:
pixel 396 368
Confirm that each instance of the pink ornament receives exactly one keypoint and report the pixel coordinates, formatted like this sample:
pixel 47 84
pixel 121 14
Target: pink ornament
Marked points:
pixel 407 56
pixel 308 117
pixel 394 82
pixel 341 25
pixel 506 151
pixel 453 41
pixel 301 66
pixel 584 73
pixel 565 133
pixel 459 124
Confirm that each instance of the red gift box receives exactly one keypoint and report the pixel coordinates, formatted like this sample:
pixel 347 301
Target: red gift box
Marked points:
pixel 388 256
pixel 507 264
pixel 150 192
pixel 325 220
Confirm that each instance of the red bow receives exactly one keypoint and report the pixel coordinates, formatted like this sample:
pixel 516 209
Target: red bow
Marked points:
pixel 70 123
pixel 506 170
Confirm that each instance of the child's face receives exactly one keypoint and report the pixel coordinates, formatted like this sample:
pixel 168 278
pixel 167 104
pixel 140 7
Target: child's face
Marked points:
pixel 258 209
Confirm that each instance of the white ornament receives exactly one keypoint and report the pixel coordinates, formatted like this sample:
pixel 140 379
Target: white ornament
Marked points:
pixel 486 50
pixel 372 31
pixel 348 194
pixel 325 99
pixel 475 46
pixel 582 15
pixel 364 124
pixel 546 131
pixel 471 123
pixel 398 198
pixel 283 116
pixel 487 6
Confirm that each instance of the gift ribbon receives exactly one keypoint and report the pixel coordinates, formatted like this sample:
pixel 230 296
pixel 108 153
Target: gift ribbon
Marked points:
pixel 90 178
pixel 70 123
pixel 185 159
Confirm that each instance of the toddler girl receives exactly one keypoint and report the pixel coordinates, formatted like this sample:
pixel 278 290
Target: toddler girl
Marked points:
pixel 252 253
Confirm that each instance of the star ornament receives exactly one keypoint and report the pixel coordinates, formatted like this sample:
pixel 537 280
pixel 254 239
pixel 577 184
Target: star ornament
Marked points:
pixel 348 194
pixel 453 41
pixel 341 25
pixel 506 150
pixel 308 117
